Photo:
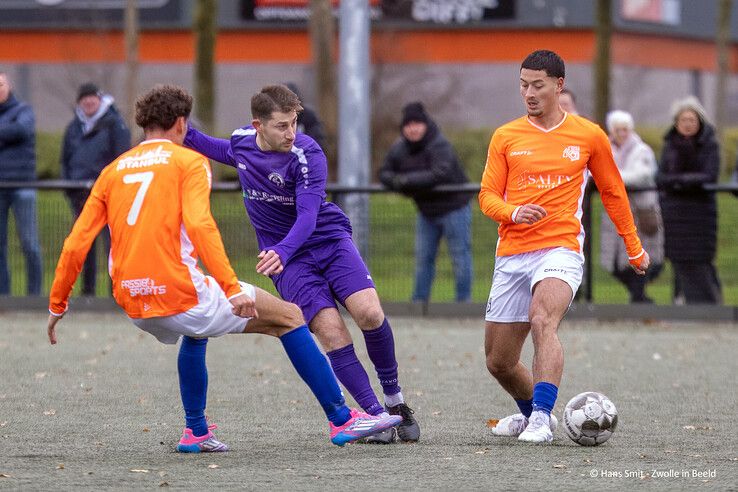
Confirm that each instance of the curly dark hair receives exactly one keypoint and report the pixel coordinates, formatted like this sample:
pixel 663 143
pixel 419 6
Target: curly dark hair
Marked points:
pixel 274 98
pixel 161 106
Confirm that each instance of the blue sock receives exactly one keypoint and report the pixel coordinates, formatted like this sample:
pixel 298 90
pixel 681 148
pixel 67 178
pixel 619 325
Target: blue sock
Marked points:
pixel 193 383
pixel 525 406
pixel 544 396
pixel 313 368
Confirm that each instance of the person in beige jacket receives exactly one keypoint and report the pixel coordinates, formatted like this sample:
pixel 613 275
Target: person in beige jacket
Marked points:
pixel 637 164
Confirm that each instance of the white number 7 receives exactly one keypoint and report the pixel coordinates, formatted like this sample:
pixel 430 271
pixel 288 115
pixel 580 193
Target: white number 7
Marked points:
pixel 145 180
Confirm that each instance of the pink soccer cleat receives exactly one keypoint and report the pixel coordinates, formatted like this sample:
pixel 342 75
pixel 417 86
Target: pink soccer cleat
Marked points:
pixel 203 444
pixel 361 425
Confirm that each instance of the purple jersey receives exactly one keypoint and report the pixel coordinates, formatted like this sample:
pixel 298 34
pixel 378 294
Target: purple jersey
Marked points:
pixel 279 187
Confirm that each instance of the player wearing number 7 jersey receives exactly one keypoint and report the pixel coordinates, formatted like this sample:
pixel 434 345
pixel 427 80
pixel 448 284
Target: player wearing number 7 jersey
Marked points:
pixel 156 200
pixel 532 186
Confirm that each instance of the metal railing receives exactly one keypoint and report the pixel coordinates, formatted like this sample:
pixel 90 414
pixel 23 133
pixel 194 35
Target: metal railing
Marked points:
pixel 390 252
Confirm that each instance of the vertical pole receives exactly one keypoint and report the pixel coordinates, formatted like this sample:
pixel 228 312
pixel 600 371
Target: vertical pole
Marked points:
pixel 353 114
pixel 131 34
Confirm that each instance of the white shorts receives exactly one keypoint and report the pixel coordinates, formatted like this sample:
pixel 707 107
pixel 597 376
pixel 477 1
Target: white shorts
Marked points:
pixel 516 275
pixel 212 317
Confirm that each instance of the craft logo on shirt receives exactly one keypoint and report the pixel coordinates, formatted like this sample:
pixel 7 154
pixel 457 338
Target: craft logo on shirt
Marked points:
pixel 277 179
pixel 571 153
pixel 520 152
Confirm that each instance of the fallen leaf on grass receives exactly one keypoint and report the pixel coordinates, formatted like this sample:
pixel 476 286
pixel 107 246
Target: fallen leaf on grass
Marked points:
pixel 213 466
pixel 145 429
pixel 559 466
pixel 136 470
pixel 5 475
pixel 492 422
pixel 51 411
pixel 60 466
pixel 40 375
pixel 164 484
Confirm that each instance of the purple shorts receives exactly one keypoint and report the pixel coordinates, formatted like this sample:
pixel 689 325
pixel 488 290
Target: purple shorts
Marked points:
pixel 315 278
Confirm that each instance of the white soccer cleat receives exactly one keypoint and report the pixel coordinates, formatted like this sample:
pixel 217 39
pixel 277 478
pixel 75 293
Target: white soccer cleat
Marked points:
pixel 540 428
pixel 514 425
pixel 511 426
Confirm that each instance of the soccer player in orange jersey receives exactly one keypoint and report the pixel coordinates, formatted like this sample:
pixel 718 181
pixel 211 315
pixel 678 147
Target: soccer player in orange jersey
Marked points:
pixel 156 200
pixel 532 186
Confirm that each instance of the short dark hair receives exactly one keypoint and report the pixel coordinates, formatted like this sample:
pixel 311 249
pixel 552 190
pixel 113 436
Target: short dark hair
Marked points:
pixel 547 61
pixel 274 98
pixel 161 106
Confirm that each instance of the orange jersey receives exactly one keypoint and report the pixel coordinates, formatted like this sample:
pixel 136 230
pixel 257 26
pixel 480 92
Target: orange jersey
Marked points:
pixel 528 164
pixel 156 200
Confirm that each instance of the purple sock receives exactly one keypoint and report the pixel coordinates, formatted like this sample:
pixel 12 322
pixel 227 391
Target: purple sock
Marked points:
pixel 380 344
pixel 353 377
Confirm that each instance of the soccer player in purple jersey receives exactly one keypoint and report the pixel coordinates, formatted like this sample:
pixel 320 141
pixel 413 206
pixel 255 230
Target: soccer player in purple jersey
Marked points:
pixel 306 247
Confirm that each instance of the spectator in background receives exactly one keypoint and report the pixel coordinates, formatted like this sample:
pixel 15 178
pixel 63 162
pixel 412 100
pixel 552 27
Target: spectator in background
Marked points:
pixel 637 165
pixel 568 101
pixel 307 119
pixel 690 159
pixel 18 163
pixel 95 137
pixel 418 161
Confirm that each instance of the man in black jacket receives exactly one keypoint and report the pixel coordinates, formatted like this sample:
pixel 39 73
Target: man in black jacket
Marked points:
pixel 97 135
pixel 418 161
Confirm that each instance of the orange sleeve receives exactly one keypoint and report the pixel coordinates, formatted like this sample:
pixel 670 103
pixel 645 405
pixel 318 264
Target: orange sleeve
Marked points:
pixel 612 191
pixel 494 182
pixel 201 227
pixel 92 219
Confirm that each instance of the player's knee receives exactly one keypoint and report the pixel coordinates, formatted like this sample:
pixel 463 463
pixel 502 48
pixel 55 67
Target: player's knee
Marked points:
pixel 499 367
pixel 290 317
pixel 540 324
pixel 370 317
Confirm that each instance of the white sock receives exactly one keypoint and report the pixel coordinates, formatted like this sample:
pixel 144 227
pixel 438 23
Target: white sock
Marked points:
pixel 394 400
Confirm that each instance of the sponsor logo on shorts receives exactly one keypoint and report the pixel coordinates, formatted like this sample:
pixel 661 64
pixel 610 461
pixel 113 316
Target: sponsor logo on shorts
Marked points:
pixel 143 287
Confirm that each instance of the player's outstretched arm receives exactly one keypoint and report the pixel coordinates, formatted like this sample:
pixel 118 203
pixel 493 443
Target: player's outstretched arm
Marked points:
pixel 217 149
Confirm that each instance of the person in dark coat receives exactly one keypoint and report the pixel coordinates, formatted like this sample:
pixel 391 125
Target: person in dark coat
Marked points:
pixel 95 137
pixel 18 163
pixel 418 161
pixel 307 119
pixel 690 159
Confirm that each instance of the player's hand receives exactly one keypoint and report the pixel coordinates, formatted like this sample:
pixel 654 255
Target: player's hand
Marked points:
pixel 529 213
pixel 269 263
pixel 641 264
pixel 51 327
pixel 244 306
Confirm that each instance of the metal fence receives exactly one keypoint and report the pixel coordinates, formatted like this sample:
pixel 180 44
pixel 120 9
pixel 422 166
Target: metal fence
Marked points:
pixel 390 248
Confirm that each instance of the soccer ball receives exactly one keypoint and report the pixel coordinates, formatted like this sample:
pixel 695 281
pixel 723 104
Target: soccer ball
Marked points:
pixel 590 418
